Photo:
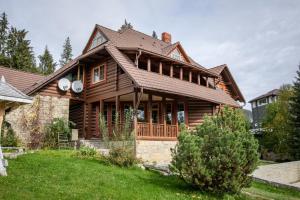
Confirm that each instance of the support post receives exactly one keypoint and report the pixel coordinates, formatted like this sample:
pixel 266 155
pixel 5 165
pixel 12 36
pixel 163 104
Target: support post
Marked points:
pixel 117 104
pixel 190 76
pixel 181 73
pixel 160 68
pixel 149 65
pixel 89 120
pixel 135 113
pixel 171 71
pixel 206 81
pixel 163 108
pixel 150 114
pixel 199 79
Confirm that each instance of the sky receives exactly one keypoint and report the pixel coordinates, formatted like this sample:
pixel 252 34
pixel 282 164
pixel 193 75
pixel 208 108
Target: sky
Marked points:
pixel 259 39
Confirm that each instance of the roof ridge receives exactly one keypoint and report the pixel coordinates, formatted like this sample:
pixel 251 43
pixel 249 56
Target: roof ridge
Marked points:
pixel 146 35
pixel 222 65
pixel 17 70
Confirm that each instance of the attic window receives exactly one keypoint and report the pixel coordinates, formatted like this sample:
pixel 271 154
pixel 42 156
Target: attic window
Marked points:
pixel 176 55
pixel 97 40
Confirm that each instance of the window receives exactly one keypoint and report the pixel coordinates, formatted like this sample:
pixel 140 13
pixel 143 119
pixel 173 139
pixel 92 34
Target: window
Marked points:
pixel 141 113
pixel 97 40
pixel 176 54
pixel 98 73
pixel 180 113
pixel 254 104
pixel 262 102
pixel 155 113
pixel 169 113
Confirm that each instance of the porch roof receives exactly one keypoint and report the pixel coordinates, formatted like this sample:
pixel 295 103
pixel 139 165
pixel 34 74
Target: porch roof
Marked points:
pixel 157 82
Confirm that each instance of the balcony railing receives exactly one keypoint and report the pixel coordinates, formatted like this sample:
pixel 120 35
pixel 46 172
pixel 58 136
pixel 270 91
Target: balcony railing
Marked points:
pixel 157 131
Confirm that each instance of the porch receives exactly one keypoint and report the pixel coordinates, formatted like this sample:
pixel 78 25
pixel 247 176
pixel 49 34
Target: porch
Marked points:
pixel 155 116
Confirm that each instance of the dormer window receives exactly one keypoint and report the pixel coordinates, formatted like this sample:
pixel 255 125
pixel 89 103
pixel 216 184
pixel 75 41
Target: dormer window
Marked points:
pixel 97 40
pixel 176 55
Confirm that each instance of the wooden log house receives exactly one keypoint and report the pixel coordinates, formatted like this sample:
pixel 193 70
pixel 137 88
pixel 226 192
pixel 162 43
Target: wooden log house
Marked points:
pixel 156 78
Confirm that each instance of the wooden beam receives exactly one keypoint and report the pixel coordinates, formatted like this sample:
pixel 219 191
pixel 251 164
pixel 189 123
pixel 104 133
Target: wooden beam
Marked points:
pixel 199 79
pixel 181 73
pixel 84 120
pixel 135 113
pixel 150 114
pixel 149 65
pixel 101 105
pixel 171 71
pixel 78 72
pixel 190 76
pixel 89 120
pixel 160 68
pixel 206 81
pixel 117 104
pixel 163 109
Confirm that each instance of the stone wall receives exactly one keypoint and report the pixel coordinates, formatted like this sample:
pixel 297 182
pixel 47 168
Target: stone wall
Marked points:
pixel 45 108
pixel 155 151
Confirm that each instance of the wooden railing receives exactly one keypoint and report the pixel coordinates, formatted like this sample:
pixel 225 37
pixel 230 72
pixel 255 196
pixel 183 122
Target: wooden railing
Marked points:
pixel 157 131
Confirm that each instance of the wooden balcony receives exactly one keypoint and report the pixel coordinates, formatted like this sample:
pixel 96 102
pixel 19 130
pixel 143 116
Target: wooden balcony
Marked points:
pixel 156 131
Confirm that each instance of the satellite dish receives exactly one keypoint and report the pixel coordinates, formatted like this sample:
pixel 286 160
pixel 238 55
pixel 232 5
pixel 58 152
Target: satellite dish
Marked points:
pixel 77 86
pixel 64 84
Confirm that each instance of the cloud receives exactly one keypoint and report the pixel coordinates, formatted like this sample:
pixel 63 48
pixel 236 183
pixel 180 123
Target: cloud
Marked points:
pixel 259 40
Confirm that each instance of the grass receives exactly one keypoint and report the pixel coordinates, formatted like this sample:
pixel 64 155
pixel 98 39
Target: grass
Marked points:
pixel 58 175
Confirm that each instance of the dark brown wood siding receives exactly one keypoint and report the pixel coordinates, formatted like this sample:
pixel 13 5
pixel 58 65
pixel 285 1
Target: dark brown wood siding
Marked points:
pixel 113 81
pixel 52 90
pixel 197 110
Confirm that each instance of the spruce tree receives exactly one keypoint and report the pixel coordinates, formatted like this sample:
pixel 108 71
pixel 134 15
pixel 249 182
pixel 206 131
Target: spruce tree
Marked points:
pixel 46 64
pixel 4 60
pixel 66 56
pixel 154 35
pixel 295 118
pixel 125 26
pixel 19 51
pixel 3 33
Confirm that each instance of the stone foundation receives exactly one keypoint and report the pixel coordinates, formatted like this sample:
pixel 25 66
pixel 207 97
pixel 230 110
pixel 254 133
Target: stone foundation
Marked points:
pixel 158 152
pixel 48 108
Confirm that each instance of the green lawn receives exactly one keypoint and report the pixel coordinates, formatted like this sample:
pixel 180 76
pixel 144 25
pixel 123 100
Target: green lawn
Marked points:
pixel 58 175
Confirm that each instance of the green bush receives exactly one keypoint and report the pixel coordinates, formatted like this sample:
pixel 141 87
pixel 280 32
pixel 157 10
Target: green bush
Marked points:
pixel 86 152
pixel 57 126
pixel 219 155
pixel 9 139
pixel 123 157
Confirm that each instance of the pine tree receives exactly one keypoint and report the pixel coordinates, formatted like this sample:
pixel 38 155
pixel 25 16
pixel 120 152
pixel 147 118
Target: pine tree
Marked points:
pixel 3 33
pixel 154 35
pixel 47 64
pixel 19 51
pixel 125 26
pixel 4 60
pixel 295 118
pixel 66 56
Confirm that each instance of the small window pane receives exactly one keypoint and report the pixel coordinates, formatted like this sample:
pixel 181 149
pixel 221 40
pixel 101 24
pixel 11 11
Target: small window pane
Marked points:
pixel 141 113
pixel 102 72
pixel 180 113
pixel 96 75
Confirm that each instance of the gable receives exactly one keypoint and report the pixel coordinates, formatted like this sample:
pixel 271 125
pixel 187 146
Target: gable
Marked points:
pixel 178 53
pixel 97 38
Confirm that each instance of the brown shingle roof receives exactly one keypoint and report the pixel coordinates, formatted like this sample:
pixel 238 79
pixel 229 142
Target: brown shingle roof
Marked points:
pixel 19 79
pixel 131 39
pixel 218 70
pixel 155 81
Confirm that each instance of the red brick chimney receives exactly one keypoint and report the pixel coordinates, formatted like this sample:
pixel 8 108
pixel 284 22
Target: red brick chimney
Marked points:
pixel 166 37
